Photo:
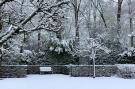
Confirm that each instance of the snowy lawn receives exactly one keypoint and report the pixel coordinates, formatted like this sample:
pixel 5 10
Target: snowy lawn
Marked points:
pixel 66 82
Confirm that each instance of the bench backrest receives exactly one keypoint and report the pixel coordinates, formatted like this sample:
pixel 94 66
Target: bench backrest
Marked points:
pixel 45 69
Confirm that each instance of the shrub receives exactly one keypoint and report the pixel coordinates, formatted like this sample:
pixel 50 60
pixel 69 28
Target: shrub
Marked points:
pixel 126 71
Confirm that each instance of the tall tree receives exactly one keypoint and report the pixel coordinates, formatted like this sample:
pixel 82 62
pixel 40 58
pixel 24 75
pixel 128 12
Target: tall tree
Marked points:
pixel 98 7
pixel 119 9
pixel 1 23
pixel 130 20
pixel 89 22
pixel 94 16
pixel 76 6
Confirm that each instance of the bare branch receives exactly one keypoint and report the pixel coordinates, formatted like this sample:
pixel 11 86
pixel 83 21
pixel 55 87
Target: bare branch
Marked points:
pixel 9 34
pixel 100 12
pixel 4 2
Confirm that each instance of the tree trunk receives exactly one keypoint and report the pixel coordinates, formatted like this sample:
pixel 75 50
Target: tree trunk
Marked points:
pixel 76 6
pixel 39 40
pixel 119 17
pixel 93 59
pixel 95 18
pixel 132 41
pixel 1 24
pixel 89 18
pixel 130 21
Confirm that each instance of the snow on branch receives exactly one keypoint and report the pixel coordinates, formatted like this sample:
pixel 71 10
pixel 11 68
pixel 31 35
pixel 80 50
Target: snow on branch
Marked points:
pixel 93 45
pixel 96 45
pixel 129 52
pixel 4 38
pixel 8 35
pixel 4 2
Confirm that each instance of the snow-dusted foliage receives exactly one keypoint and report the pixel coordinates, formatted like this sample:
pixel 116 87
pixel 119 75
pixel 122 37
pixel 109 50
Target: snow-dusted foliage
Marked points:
pixel 15 58
pixel 60 46
pixel 127 56
pixel 129 52
pixel 33 30
pixel 126 71
pixel 126 67
pixel 94 45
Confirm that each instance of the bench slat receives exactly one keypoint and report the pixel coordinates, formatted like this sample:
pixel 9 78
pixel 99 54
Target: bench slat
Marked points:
pixel 45 69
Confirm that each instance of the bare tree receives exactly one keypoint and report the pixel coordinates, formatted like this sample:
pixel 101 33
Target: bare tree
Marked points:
pixel 130 20
pixel 119 17
pixel 94 3
pixel 93 46
pixel 89 22
pixel 15 29
pixel 76 6
pixel 98 6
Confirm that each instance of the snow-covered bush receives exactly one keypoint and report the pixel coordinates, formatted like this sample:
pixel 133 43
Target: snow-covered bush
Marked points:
pixel 14 57
pixel 57 52
pixel 60 46
pixel 104 58
pixel 129 52
pixel 94 49
pixel 127 56
pixel 126 71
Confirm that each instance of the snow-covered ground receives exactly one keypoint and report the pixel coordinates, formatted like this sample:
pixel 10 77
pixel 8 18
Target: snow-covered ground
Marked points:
pixel 66 82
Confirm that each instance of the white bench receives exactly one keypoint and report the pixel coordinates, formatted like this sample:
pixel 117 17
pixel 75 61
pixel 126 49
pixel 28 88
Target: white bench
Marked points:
pixel 45 70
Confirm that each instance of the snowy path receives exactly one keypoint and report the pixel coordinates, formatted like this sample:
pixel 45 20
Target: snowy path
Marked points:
pixel 66 82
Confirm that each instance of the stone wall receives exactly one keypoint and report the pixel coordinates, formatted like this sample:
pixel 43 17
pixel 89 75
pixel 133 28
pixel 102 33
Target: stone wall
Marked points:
pixel 123 71
pixel 56 69
pixel 33 69
pixel 101 70
pixel 60 70
pixel 13 71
